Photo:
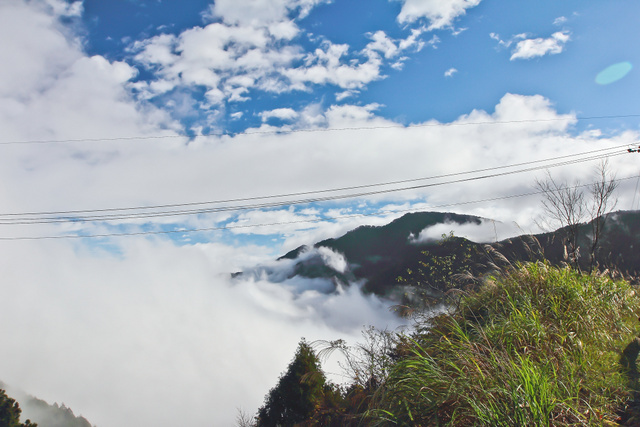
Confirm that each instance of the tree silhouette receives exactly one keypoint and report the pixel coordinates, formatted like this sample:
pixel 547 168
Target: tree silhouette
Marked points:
pixel 300 390
pixel 568 205
pixel 10 412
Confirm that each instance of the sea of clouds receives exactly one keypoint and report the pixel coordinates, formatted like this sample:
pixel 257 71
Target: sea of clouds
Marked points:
pixel 147 331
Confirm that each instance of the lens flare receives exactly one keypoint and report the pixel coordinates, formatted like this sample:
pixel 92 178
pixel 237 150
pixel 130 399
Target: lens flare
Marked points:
pixel 613 73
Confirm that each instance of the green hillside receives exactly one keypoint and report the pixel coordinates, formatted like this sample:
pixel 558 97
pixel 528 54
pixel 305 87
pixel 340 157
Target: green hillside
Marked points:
pixel 379 255
pixel 534 345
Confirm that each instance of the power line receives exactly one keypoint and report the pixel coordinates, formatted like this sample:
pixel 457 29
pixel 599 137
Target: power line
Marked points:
pixel 310 130
pixel 114 217
pixel 272 224
pixel 9 217
pixel 315 220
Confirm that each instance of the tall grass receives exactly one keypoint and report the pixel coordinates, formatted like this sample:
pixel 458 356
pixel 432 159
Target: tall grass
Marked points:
pixel 535 346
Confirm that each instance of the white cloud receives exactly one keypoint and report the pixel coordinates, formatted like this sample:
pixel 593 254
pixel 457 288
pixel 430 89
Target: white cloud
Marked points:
pixel 28 72
pixel 488 231
pixel 225 58
pixel 399 65
pixel 390 49
pixel 231 58
pixel 325 66
pixel 261 12
pixel 155 172
pixel 346 94
pixel 333 259
pixel 531 48
pixel 383 44
pixel 149 321
pixel 66 9
pixel 459 31
pixel 279 113
pixel 439 13
pixel 450 72
pixel 159 323
pixel 560 20
pixel 501 43
pixel 252 46
pixel 51 89
pixel 434 41
pixel 343 115
pixel 413 40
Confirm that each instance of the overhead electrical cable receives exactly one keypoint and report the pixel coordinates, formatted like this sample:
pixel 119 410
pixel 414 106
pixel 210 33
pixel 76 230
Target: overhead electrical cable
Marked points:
pixel 266 205
pixel 105 218
pixel 73 215
pixel 313 130
pixel 273 224
pixel 113 217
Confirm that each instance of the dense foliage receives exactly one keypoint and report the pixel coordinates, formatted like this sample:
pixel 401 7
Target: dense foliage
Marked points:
pixel 300 394
pixel 533 345
pixel 536 346
pixel 10 412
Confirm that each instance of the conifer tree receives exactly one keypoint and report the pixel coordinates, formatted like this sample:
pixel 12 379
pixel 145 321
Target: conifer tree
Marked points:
pixel 298 392
pixel 10 412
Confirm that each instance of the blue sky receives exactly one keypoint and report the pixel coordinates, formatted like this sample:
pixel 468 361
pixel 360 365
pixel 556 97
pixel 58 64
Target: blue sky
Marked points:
pixel 225 68
pixel 177 123
pixel 597 35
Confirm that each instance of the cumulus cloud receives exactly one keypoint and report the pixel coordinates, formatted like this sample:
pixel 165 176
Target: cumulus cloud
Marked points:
pixel 390 48
pixel 28 72
pixel 440 14
pixel 261 12
pixel 254 46
pixel 531 48
pixel 327 66
pixel 51 89
pixel 228 61
pixel 383 44
pixel 279 113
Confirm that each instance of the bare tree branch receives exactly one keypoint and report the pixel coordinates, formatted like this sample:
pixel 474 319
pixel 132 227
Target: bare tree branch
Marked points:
pixel 567 206
pixel 564 205
pixel 602 203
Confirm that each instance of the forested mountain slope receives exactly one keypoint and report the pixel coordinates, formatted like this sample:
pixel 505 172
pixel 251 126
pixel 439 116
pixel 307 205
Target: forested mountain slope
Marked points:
pixel 379 255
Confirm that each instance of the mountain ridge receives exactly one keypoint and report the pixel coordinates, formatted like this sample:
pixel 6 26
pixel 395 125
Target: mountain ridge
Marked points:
pixel 378 255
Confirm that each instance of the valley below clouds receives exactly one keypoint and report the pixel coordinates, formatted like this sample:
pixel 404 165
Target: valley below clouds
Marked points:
pixel 159 334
